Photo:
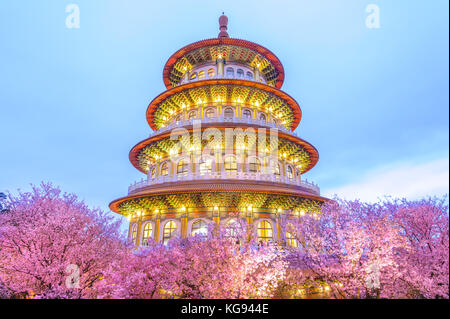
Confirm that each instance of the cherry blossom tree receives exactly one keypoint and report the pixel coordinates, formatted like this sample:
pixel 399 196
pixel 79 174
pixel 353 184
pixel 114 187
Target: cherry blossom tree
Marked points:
pixel 53 246
pixel 219 267
pixel 425 226
pixel 391 249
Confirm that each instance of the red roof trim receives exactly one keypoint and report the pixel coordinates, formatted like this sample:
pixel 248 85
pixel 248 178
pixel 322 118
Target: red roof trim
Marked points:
pixel 114 205
pixel 313 153
pixel 283 95
pixel 223 41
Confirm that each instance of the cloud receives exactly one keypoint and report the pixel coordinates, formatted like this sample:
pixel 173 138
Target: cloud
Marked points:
pixel 404 180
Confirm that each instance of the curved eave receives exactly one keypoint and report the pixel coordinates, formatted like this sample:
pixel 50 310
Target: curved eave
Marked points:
pixel 313 152
pixel 271 57
pixel 207 187
pixel 297 112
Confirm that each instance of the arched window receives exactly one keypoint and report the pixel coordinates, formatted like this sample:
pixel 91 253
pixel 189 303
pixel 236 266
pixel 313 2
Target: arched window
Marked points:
pixel 193 76
pixel 249 75
pixel 147 234
pixel 290 240
pixel 290 173
pixel 228 113
pixel 205 166
pixel 169 231
pixel 178 119
pixel 153 173
pixel 201 75
pixel 211 72
pixel 199 228
pixel 265 231
pixel 246 114
pixel 210 113
pixel 230 72
pixel 262 117
pixel 134 233
pixel 182 168
pixel 230 164
pixel 240 73
pixel 254 165
pixel 164 169
pixel 192 115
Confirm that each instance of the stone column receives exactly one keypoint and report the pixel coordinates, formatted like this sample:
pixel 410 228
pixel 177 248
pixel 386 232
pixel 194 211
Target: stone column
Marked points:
pixel 130 229
pixel 279 232
pixel 216 215
pixel 184 225
pixel 249 219
pixel 220 67
pixel 256 74
pixel 157 227
pixel 138 234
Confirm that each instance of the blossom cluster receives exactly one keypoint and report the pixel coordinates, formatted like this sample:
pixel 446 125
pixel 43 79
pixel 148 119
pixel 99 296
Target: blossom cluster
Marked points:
pixel 53 246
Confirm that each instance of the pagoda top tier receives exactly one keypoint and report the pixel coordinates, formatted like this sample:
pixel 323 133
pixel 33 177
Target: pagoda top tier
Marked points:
pixel 226 49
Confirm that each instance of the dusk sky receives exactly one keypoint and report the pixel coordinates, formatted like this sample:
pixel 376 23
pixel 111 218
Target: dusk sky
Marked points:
pixel 375 102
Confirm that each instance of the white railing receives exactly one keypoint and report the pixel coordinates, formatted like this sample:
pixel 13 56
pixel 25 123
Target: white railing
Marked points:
pixel 225 76
pixel 224 175
pixel 222 119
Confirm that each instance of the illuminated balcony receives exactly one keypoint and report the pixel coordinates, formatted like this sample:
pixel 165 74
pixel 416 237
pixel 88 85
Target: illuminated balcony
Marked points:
pixel 224 175
pixel 222 119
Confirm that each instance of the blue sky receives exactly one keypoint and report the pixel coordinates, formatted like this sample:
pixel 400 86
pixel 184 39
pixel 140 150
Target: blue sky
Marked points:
pixel 374 101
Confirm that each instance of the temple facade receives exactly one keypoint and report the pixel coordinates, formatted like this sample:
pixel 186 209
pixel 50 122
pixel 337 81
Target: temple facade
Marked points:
pixel 223 147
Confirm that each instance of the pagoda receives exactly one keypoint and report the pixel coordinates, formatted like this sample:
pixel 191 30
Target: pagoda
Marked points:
pixel 223 147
